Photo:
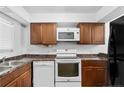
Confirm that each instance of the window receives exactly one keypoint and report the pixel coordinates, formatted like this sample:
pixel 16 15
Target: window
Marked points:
pixel 6 35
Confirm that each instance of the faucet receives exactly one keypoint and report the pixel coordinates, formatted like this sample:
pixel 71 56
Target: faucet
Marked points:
pixel 3 59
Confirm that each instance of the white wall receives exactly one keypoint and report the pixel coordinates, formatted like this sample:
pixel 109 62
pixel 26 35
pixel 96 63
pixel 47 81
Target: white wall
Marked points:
pixel 52 49
pixel 17 42
pixel 18 13
pixel 22 39
pixel 63 17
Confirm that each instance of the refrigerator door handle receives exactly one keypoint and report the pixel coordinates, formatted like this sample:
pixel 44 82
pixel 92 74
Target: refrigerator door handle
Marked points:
pixel 111 61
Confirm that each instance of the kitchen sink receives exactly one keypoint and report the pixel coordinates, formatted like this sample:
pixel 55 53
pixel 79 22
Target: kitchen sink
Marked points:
pixel 11 63
pixel 4 69
pixel 6 66
pixel 16 63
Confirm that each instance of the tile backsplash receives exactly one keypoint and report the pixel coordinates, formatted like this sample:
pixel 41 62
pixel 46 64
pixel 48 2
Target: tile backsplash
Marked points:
pixel 81 49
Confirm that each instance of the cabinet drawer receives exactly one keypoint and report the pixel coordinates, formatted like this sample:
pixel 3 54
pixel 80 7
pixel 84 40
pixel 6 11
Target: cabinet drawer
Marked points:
pixel 94 63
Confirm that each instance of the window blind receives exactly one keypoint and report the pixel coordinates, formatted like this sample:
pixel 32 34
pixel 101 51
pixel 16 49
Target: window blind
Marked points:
pixel 6 34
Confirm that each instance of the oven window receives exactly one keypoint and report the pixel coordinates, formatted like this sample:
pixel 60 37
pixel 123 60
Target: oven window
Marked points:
pixel 66 35
pixel 68 69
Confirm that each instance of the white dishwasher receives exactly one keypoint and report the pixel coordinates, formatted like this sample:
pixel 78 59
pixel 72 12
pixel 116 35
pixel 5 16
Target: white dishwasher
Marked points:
pixel 43 73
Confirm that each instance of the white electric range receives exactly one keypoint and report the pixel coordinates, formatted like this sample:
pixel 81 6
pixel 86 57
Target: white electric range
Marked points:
pixel 67 68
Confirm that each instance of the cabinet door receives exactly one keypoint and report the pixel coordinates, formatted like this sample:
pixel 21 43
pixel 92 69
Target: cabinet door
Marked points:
pixel 36 33
pixel 49 33
pixel 22 81
pixel 98 34
pixel 13 84
pixel 93 77
pixel 85 33
pixel 25 79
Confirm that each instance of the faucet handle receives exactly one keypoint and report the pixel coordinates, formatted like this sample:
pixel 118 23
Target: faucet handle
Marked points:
pixel 3 59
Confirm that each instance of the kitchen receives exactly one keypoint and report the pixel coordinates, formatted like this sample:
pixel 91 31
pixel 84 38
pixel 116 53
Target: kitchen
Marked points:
pixel 53 46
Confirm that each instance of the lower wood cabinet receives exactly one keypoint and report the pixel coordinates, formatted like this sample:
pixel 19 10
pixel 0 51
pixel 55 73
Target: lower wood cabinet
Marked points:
pixel 20 77
pixel 94 73
pixel 22 81
pixel 25 79
pixel 13 84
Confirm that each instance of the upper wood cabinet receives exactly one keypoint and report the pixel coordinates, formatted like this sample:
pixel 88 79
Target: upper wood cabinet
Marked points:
pixel 91 33
pixel 36 33
pixel 49 33
pixel 43 33
pixel 85 33
pixel 98 34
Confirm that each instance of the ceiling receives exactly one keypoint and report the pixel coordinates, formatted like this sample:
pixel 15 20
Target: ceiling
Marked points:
pixel 62 9
pixel 119 20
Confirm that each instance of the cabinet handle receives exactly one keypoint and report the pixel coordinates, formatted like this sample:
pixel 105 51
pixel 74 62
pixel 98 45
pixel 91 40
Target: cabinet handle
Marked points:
pixel 42 65
pixel 100 69
pixel 90 66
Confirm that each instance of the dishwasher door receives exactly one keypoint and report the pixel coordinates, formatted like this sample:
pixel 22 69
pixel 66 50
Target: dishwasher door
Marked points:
pixel 43 73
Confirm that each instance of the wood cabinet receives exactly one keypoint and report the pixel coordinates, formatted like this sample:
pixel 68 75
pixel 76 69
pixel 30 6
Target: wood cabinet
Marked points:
pixel 49 33
pixel 36 33
pixel 91 33
pixel 85 34
pixel 22 81
pixel 43 33
pixel 98 34
pixel 20 77
pixel 94 73
pixel 15 83
pixel 25 79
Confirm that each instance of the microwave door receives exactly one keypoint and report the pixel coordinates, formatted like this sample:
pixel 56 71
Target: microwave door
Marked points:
pixel 66 36
pixel 71 34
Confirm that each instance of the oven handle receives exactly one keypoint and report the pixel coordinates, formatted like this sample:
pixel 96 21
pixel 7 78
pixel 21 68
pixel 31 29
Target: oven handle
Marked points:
pixel 68 62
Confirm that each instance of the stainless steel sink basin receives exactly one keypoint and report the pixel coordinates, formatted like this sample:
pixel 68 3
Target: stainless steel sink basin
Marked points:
pixel 7 66
pixel 11 63
pixel 4 69
pixel 16 63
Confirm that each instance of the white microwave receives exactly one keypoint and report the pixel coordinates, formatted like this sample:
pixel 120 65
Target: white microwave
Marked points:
pixel 68 34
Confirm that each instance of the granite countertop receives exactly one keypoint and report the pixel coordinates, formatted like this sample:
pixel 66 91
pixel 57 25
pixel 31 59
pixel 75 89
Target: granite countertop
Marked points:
pixel 92 57
pixel 30 59
pixel 36 59
pixel 95 58
pixel 24 61
pixel 53 59
pixel 12 68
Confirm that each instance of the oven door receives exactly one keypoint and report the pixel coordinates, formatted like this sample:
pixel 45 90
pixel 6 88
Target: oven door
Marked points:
pixel 68 70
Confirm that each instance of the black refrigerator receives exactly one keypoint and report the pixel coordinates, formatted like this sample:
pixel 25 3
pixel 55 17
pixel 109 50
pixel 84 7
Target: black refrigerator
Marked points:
pixel 116 53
